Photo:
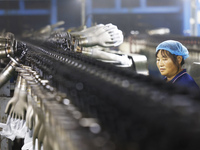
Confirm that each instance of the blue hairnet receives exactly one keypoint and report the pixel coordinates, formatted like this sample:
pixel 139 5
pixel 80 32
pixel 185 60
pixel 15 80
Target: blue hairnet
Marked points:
pixel 174 47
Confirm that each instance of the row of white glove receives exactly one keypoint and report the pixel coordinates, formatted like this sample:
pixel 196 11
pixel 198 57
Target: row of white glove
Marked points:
pixel 122 60
pixel 17 129
pixel 26 112
pixel 103 35
pixel 107 35
pixel 23 120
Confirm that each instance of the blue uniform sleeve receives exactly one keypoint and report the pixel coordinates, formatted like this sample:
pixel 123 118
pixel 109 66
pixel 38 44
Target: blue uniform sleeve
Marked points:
pixel 187 81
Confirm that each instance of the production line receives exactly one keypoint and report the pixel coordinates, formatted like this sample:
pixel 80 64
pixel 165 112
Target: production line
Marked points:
pixel 73 92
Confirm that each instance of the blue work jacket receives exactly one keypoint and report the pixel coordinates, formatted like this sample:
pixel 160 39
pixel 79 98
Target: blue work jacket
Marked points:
pixel 184 79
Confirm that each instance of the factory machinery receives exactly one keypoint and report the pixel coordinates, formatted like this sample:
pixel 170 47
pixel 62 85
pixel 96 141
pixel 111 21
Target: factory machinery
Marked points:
pixel 70 98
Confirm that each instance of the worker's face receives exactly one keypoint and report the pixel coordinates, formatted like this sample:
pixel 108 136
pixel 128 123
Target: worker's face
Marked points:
pixel 166 66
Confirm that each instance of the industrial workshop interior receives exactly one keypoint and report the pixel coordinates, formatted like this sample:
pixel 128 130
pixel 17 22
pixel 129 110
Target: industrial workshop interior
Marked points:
pixel 99 74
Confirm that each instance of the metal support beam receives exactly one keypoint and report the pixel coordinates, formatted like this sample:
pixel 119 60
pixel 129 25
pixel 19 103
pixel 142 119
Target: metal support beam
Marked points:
pixel 139 10
pixel 117 9
pixel 23 11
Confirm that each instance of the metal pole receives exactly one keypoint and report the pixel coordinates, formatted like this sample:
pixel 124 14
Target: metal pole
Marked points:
pixel 82 12
pixel 89 13
pixel 187 28
pixel 53 18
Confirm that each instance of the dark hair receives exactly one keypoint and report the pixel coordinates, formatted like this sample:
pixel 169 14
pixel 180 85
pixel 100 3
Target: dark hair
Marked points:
pixel 165 53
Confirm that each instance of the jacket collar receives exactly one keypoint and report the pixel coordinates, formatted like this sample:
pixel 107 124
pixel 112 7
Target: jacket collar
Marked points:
pixel 177 76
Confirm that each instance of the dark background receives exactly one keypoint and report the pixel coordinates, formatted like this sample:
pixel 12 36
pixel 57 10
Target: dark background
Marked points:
pixel 70 12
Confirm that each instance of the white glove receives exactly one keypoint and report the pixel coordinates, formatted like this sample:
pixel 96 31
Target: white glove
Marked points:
pixel 30 111
pixel 6 129
pixel 41 136
pixel 105 39
pixel 18 127
pixel 29 117
pixel 87 32
pixel 103 35
pixel 11 104
pixel 38 127
pixel 28 141
pixel 94 30
pixel 117 34
pixel 21 106
pixel 48 139
pixel 14 128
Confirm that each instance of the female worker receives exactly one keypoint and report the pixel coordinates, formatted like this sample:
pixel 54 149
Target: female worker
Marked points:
pixel 171 56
